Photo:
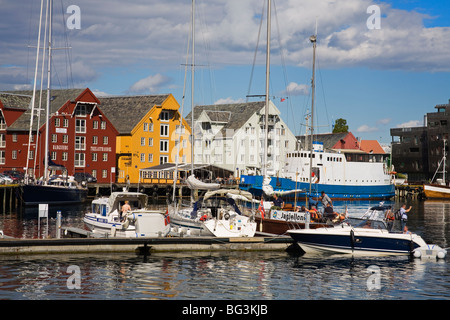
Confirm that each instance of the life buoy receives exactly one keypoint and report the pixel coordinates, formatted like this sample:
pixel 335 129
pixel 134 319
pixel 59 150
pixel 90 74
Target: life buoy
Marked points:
pixel 314 178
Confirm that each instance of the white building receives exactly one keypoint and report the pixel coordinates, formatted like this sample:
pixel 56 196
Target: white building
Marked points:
pixel 231 136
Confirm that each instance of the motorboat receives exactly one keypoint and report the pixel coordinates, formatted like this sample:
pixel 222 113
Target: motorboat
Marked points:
pixel 370 237
pixel 216 213
pixel 105 217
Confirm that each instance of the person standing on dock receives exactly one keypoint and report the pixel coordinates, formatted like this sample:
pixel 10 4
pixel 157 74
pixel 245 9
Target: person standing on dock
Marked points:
pixel 404 215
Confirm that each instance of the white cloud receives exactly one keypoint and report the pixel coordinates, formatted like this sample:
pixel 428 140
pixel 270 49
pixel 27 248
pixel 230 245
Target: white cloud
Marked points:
pixel 366 128
pixel 155 33
pixel 229 100
pixel 384 121
pixel 296 89
pixel 409 124
pixel 150 84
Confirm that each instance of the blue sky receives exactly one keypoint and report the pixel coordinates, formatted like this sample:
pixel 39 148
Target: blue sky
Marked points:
pixel 375 79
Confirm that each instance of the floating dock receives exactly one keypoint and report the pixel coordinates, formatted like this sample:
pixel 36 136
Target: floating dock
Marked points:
pixel 12 246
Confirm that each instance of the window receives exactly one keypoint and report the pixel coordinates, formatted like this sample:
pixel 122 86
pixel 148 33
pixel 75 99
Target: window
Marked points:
pixel 163 159
pixel 30 155
pixel 94 173
pixel 105 140
pixel 80 143
pixel 54 138
pixel 150 127
pixel 2 140
pixel 80 126
pixel 57 122
pixel 104 173
pixel 14 154
pixel 145 126
pixel 105 157
pixel 142 142
pixel 2 157
pixel 53 155
pixel 142 157
pixel 66 123
pixel 94 140
pixel 95 124
pixel 164 146
pixel 164 116
pixel 65 156
pixel 94 156
pixel 79 160
pixel 14 137
pixel 103 125
pixel 65 138
pixel 150 157
pixel 164 130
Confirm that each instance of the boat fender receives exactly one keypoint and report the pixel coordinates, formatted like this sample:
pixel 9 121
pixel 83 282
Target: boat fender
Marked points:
pixel 125 224
pixel 352 239
pixel 226 216
pixel 417 253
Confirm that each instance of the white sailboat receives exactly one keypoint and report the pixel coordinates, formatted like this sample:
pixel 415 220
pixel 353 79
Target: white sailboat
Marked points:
pixel 215 213
pixel 46 190
pixel 439 189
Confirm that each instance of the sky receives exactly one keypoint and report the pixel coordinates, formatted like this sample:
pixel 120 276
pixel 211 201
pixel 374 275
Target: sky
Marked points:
pixel 379 64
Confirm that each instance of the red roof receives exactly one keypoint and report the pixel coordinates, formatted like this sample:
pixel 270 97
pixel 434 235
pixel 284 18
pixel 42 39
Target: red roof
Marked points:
pixel 371 146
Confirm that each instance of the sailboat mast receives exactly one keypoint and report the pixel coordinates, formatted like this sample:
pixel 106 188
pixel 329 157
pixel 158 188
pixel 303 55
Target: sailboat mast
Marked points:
pixel 47 112
pixel 313 39
pixel 192 87
pixel 266 116
pixel 34 95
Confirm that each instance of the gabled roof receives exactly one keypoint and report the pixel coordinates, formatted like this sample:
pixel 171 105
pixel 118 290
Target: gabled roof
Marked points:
pixel 125 112
pixel 371 146
pixel 329 140
pixel 234 115
pixel 58 98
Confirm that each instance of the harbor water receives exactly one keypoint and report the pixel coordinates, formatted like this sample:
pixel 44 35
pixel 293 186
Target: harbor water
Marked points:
pixel 225 275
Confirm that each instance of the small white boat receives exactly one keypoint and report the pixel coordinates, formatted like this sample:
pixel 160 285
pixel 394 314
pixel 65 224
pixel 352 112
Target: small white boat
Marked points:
pixel 214 214
pixel 138 222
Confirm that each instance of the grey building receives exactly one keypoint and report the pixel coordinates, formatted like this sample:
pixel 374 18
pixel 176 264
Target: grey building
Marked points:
pixel 418 151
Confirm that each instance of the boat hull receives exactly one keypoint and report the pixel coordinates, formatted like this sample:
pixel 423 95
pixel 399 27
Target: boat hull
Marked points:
pixel 146 224
pixel 36 194
pixel 368 242
pixel 254 185
pixel 436 191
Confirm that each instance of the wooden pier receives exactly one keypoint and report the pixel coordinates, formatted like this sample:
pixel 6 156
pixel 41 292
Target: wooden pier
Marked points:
pixel 13 246
pixel 409 191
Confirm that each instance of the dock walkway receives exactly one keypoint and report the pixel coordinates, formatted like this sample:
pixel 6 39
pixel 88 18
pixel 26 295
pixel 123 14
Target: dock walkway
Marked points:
pixel 13 246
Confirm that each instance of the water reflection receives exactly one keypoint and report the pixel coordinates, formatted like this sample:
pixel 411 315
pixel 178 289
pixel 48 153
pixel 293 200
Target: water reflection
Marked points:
pixel 228 275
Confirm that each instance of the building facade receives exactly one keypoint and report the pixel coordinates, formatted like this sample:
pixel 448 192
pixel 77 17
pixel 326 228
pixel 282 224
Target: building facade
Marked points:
pixel 81 138
pixel 149 134
pixel 418 151
pixel 232 136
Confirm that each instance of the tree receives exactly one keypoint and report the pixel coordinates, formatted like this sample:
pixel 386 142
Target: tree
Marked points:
pixel 340 125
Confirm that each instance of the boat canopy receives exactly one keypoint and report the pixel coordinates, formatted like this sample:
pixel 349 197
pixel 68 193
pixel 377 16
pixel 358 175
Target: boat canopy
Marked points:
pixel 195 184
pixel 115 197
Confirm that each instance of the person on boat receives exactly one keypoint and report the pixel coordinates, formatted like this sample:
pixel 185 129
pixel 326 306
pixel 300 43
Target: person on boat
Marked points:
pixel 125 208
pixel 313 212
pixel 278 203
pixel 404 215
pixel 405 230
pixel 390 218
pixel 326 200
pixel 331 215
